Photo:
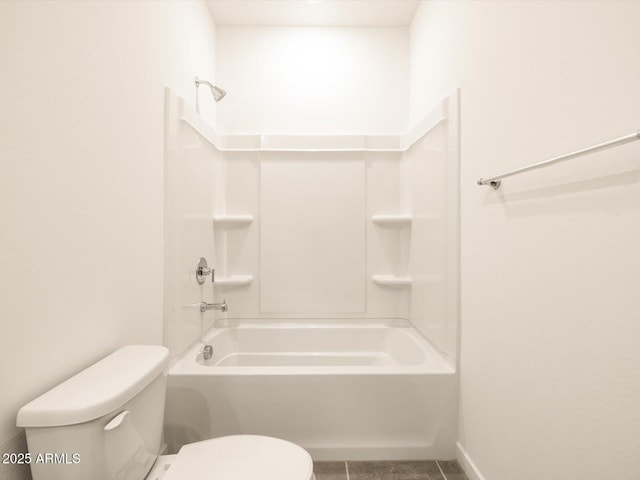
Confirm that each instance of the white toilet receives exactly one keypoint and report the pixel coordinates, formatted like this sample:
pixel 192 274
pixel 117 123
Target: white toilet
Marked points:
pixel 105 423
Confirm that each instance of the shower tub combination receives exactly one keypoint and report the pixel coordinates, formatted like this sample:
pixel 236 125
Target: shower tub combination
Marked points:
pixel 344 391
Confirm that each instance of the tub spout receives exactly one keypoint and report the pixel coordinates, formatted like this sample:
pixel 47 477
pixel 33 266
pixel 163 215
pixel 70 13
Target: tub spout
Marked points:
pixel 204 306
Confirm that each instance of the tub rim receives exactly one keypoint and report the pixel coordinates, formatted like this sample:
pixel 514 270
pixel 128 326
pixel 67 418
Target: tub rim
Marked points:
pixel 186 364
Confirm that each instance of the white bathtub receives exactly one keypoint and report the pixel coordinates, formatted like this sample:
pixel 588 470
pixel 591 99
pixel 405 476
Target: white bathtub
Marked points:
pixel 344 391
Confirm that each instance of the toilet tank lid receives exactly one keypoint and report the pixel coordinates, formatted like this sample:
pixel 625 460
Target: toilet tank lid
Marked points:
pixel 98 390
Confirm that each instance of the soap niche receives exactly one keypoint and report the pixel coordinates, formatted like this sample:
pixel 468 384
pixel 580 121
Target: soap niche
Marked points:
pixel 231 234
pixel 392 233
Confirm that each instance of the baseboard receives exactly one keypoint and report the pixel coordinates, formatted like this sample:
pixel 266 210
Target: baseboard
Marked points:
pixel 467 464
pixel 373 453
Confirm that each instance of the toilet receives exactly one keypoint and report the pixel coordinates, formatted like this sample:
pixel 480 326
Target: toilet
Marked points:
pixel 105 423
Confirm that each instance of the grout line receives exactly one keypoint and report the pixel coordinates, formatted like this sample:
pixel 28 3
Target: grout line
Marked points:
pixel 440 468
pixel 346 467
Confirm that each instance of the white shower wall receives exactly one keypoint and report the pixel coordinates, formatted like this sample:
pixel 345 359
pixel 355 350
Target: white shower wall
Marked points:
pixel 191 168
pixel 313 247
pixel 312 237
pixel 430 191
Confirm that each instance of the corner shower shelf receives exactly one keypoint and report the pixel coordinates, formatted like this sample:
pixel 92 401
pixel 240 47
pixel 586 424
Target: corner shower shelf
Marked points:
pixel 392 220
pixel 233 281
pixel 233 219
pixel 392 280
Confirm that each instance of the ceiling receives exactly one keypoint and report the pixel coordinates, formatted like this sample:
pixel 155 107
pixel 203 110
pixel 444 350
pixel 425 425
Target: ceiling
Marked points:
pixel 339 13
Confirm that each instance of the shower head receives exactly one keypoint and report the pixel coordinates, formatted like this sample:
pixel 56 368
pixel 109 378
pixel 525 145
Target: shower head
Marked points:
pixel 217 92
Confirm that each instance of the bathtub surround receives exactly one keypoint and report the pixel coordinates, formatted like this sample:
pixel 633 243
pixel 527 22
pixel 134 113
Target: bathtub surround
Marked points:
pixel 191 164
pixel 332 194
pixel 302 91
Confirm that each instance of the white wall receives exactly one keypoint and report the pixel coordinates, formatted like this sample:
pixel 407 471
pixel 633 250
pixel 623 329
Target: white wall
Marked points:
pixel 317 80
pixel 80 189
pixel 550 268
pixel 190 46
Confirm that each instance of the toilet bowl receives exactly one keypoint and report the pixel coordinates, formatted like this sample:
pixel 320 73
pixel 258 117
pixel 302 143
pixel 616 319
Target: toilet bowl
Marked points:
pixel 236 457
pixel 105 423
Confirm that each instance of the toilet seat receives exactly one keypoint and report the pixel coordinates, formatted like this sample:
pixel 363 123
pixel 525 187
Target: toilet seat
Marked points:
pixel 241 457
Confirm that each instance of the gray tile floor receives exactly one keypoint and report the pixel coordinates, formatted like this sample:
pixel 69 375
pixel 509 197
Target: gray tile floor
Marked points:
pixel 409 470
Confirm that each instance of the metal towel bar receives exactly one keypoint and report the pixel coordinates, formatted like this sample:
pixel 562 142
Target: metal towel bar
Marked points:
pixel 494 182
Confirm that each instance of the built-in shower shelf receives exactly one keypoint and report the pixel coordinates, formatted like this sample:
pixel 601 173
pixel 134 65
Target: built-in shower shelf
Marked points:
pixel 392 280
pixel 233 281
pixel 392 220
pixel 233 219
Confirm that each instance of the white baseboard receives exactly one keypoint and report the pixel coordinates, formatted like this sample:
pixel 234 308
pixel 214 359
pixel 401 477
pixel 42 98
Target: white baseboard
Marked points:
pixel 467 464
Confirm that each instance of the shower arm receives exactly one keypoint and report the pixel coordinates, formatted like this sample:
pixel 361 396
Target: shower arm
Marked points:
pixel 217 92
pixel 198 82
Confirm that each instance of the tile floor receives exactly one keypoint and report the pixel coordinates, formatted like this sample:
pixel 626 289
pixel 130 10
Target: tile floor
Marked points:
pixel 410 470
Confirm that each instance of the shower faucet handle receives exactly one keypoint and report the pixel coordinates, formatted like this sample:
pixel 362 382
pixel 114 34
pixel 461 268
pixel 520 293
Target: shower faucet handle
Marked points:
pixel 202 270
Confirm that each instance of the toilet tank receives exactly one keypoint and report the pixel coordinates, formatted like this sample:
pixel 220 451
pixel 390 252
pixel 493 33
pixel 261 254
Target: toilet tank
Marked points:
pixel 105 423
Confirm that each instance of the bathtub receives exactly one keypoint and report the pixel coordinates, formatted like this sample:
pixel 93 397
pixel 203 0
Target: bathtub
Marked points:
pixel 344 390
